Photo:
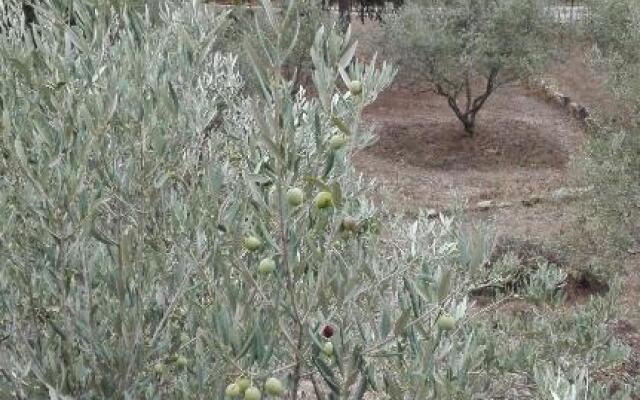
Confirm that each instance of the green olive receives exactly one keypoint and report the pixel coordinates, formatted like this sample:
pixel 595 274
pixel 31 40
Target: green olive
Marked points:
pixel 252 243
pixel 232 390
pixel 327 349
pixel 243 384
pixel 446 322
pixel 267 266
pixel 337 141
pixel 355 87
pixel 295 197
pixel 181 362
pixel 273 387
pixel 323 200
pixel 252 393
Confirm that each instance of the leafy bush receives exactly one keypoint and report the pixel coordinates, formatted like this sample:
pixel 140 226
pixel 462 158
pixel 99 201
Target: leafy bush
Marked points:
pixel 613 28
pixel 466 49
pixel 152 245
pixel 611 167
pixel 611 25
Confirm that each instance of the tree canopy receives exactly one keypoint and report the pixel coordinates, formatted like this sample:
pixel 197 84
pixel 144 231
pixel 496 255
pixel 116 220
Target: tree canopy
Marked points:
pixel 466 49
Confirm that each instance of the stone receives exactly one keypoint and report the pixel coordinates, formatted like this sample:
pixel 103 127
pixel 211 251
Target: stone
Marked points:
pixel 485 205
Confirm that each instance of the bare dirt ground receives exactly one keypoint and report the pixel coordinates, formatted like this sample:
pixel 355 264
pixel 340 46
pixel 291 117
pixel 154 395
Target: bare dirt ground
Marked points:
pixel 523 149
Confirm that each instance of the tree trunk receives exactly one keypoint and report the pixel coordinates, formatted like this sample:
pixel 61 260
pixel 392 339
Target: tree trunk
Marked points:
pixel 29 14
pixel 344 11
pixel 469 123
pixel 467 115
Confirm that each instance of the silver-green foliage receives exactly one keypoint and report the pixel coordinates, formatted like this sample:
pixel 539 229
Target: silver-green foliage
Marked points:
pixel 305 18
pixel 611 166
pixel 466 49
pixel 132 170
pixel 104 133
pixel 614 29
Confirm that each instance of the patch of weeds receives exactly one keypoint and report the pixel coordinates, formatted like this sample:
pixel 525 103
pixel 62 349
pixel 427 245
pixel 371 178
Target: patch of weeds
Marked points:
pixel 537 272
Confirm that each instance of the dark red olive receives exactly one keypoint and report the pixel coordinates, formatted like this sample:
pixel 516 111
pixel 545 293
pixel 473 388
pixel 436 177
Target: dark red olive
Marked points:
pixel 328 331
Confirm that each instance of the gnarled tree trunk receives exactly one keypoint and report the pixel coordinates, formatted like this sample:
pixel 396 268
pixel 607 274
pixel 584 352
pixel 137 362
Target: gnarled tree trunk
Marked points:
pixel 467 115
pixel 344 11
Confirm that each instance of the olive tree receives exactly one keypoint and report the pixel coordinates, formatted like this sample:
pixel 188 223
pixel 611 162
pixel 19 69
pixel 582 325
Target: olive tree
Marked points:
pixel 614 29
pixel 466 49
pixel 165 236
pixel 611 167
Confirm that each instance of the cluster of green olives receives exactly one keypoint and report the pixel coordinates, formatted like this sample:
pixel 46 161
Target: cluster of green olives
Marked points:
pixel 243 387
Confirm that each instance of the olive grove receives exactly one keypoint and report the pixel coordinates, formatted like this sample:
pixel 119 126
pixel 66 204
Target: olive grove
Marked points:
pixel 164 234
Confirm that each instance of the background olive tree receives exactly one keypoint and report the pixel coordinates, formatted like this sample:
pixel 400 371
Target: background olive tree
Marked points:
pixel 611 168
pixel 612 28
pixel 464 50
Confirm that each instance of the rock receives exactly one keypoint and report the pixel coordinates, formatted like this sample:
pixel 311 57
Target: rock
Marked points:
pixel 634 250
pixel 562 194
pixel 491 151
pixel 573 108
pixel 549 92
pixel 560 98
pixel 579 111
pixel 583 113
pixel 569 193
pixel 485 205
pixel 531 201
